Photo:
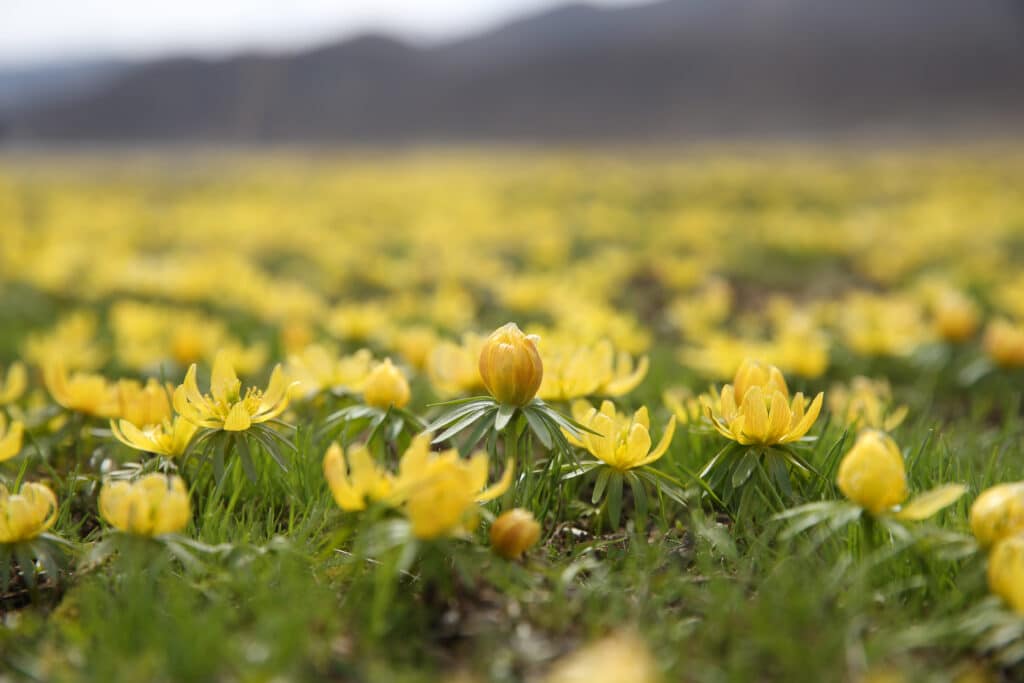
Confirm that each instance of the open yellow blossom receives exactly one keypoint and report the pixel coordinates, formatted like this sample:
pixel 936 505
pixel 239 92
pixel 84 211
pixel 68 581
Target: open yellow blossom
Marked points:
pixel 621 441
pixel 318 368
pixel 616 658
pixel 225 407
pixel 510 365
pixel 1004 343
pixel 455 368
pixel 144 405
pixel 873 476
pixel 1006 572
pixel 866 403
pixel 440 492
pixel 10 438
pixel 386 387
pixel 13 386
pixel 572 372
pixel 169 438
pixel 153 505
pixel 756 408
pixel 998 513
pixel 82 392
pixel 27 513
pixel 355 477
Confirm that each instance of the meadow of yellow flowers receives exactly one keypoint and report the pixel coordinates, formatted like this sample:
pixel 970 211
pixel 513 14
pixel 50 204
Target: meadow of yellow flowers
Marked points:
pixel 441 416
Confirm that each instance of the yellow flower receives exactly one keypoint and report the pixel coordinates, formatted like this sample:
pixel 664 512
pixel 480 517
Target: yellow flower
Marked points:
pixel 956 315
pixel 683 404
pixel 866 403
pixel 153 505
pixel 14 385
pixel 514 532
pixel 440 491
pixel 510 365
pixel 455 368
pixel 10 438
pixel 1004 343
pixel 873 476
pixel 355 478
pixel 1006 571
pixel 360 322
pixel 317 369
pixel 26 514
pixel 144 405
pixel 998 513
pixel 386 386
pixel 82 392
pixel 414 344
pixel 71 343
pixel 872 473
pixel 621 441
pixel 579 371
pixel 616 658
pixel 756 408
pixel 167 438
pixel 225 407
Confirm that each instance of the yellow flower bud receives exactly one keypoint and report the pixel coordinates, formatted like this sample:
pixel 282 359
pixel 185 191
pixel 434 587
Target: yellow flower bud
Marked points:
pixel 1004 343
pixel 153 505
pixel 510 365
pixel 872 473
pixel 956 316
pixel 514 532
pixel 386 386
pixel 1006 571
pixel 998 513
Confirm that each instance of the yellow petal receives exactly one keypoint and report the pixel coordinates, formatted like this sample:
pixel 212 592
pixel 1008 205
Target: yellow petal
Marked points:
pixel 10 444
pixel 663 444
pixel 807 421
pixel 501 486
pixel 779 416
pixel 238 419
pixel 927 504
pixel 224 383
pixel 755 414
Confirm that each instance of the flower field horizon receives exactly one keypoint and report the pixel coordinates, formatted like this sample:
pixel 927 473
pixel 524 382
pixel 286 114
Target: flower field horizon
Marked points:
pixel 487 415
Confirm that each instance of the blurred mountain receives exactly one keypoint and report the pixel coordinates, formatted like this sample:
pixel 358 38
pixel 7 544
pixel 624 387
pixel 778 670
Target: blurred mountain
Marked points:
pixel 24 87
pixel 667 70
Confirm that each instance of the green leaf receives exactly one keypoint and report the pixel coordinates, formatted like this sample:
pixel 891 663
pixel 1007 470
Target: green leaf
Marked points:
pixel 538 428
pixel 600 484
pixel 744 468
pixel 615 499
pixel 639 497
pixel 462 424
pixel 505 413
pixel 246 459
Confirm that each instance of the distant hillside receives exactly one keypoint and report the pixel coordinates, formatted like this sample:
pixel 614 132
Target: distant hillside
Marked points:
pixel 672 69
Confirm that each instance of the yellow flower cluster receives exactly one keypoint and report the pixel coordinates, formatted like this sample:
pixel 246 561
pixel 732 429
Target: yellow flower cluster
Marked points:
pixel 437 492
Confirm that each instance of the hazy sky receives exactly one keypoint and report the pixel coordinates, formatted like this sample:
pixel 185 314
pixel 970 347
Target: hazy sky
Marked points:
pixel 37 30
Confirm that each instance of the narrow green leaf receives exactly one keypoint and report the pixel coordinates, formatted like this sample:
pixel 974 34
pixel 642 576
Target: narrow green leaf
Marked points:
pixel 744 468
pixel 600 484
pixel 615 499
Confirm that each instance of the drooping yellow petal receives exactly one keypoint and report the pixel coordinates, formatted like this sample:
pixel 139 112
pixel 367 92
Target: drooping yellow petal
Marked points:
pixel 927 504
pixel 807 421
pixel 499 487
pixel 663 444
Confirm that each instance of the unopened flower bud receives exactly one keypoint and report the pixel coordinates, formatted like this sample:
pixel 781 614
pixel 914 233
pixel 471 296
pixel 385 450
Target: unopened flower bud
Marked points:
pixel 872 473
pixel 386 386
pixel 510 365
pixel 998 512
pixel 1006 571
pixel 514 532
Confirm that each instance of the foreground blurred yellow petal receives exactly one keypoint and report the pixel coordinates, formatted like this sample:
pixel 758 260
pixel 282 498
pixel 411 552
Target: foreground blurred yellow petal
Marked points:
pixel 27 513
pixel 153 505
